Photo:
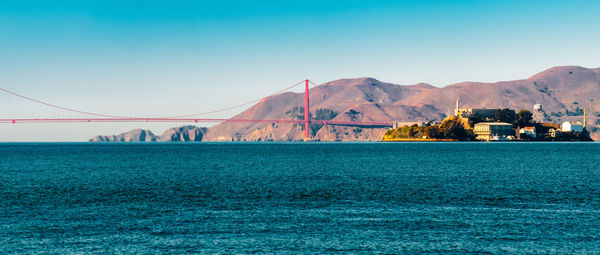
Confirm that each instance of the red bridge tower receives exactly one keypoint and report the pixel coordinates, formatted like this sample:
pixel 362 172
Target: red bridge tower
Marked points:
pixel 306 113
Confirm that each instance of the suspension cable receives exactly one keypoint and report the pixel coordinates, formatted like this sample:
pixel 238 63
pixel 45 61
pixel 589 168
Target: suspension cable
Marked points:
pixel 60 107
pixel 239 105
pixel 118 116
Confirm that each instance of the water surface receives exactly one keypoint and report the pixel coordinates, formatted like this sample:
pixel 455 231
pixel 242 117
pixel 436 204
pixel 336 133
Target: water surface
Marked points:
pixel 300 198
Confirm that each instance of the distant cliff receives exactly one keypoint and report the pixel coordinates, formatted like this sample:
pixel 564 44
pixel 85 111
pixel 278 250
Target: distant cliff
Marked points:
pixel 176 134
pixel 184 134
pixel 136 135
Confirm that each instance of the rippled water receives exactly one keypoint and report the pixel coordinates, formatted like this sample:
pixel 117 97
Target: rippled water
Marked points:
pixel 300 198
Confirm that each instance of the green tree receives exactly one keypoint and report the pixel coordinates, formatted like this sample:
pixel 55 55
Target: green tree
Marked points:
pixel 296 113
pixel 505 115
pixel 432 132
pixel 476 119
pixel 454 128
pixel 524 118
pixel 324 114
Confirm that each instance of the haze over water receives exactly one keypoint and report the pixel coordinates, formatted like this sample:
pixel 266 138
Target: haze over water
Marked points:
pixel 300 197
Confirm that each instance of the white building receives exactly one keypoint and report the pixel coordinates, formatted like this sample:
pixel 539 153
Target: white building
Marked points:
pixel 486 130
pixel 575 126
pixel 529 131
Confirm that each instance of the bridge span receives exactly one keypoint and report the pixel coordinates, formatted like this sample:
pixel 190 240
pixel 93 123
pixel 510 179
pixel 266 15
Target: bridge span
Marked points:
pixel 307 121
pixel 313 122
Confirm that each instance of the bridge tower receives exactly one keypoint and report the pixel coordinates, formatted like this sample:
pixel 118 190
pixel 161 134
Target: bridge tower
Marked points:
pixel 306 112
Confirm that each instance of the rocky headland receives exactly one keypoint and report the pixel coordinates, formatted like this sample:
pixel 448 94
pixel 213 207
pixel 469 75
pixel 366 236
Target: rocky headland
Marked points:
pixel 176 134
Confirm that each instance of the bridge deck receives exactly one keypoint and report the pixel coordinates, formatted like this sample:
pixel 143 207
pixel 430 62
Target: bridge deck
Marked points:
pixel 83 120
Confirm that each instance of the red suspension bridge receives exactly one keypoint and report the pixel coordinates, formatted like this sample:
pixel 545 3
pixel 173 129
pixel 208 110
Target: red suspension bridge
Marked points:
pixel 191 118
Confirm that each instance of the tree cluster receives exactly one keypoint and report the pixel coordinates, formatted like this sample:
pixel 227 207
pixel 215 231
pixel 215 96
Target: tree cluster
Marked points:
pixel 519 120
pixel 451 128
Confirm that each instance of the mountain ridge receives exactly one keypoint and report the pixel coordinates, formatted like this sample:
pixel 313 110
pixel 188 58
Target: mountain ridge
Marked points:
pixel 368 99
pixel 562 90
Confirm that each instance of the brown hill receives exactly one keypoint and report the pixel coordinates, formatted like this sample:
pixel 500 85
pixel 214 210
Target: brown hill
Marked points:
pixel 563 91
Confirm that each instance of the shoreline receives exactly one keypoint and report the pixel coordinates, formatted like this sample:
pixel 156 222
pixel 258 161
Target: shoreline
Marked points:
pixel 419 140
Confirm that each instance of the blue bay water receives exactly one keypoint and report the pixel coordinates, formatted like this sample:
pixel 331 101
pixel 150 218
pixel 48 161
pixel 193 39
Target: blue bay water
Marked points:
pixel 300 198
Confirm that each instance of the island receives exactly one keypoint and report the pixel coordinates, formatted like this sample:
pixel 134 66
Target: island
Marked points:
pixel 492 125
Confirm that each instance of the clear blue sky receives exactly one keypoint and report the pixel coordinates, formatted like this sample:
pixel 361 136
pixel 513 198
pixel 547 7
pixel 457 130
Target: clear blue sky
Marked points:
pixel 156 58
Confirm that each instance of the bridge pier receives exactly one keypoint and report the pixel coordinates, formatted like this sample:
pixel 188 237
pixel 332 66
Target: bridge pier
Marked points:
pixel 306 112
